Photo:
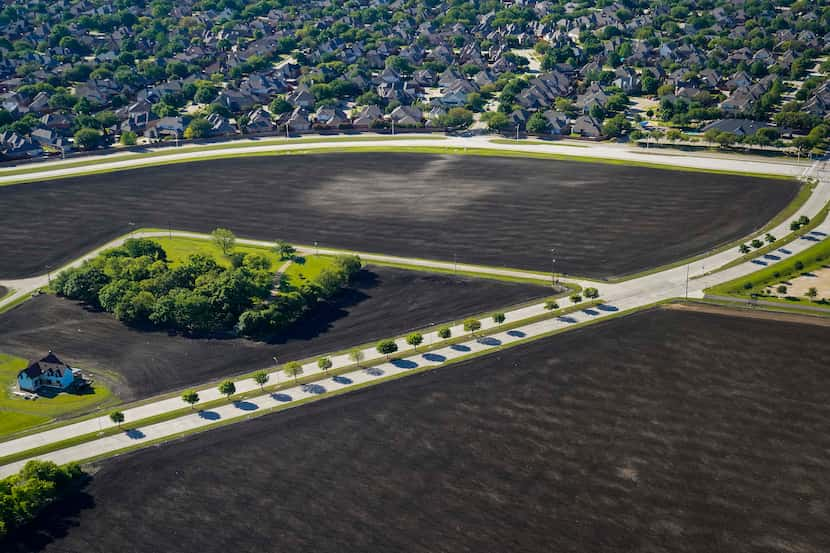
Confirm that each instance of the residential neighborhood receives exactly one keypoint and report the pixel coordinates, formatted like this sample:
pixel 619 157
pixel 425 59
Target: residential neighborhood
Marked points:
pixel 82 75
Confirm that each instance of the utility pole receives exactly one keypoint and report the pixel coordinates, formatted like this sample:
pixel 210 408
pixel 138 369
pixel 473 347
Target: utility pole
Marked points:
pixel 393 126
pixel 687 281
pixel 553 267
pixel 517 133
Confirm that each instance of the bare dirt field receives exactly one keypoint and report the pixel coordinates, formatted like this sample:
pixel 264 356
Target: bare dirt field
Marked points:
pixel 798 287
pixel 667 431
pixel 383 302
pixel 3 291
pixel 602 219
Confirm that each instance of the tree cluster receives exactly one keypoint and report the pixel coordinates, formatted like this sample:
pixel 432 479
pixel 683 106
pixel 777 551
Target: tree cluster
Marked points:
pixel 138 284
pixel 38 484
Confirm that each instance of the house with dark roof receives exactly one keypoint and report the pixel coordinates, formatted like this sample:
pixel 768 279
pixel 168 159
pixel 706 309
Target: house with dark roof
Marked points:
pixel 49 372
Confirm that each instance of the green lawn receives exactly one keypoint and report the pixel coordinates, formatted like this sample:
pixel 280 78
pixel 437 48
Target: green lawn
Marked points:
pixel 17 413
pixel 304 269
pixel 179 249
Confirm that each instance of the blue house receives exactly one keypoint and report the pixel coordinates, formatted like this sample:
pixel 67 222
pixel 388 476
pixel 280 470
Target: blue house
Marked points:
pixel 49 372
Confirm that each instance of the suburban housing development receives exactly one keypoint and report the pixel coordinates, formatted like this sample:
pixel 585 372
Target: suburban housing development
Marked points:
pixel 414 276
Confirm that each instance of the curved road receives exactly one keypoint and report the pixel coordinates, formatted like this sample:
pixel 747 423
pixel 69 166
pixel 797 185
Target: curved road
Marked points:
pixel 686 280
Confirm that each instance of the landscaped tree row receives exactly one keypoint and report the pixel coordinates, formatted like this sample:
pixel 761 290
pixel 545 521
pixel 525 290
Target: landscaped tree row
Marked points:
pixel 138 284
pixel 24 495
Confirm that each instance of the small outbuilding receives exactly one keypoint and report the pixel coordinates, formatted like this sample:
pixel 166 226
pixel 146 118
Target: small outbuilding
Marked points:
pixel 49 372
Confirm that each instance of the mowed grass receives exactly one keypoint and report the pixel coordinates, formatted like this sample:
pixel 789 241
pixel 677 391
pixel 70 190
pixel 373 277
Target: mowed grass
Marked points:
pixel 17 414
pixel 301 270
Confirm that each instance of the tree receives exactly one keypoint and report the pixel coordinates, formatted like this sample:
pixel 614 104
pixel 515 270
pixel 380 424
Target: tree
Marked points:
pixel 770 238
pixel 284 250
pixel 280 105
pixel 591 293
pixel 386 347
pixel 224 239
pixel 128 138
pixel 198 128
pixel 498 318
pixel 537 124
pixel 414 339
pixel 471 325
pixel 324 363
pixel 191 397
pixel 293 370
pixel 756 243
pixel 496 121
pixel 576 298
pixel 781 289
pixel 356 356
pixel 227 388
pixel 117 417
pixel 812 293
pixel 550 305
pixel 444 332
pixel 457 117
pixel 261 378
pixel 87 138
pixel 744 249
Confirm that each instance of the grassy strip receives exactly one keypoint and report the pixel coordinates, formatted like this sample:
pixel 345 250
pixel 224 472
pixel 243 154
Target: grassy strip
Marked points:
pixel 121 156
pixel 812 257
pixel 169 415
pixel 814 222
pixel 15 303
pixel 540 142
pixel 440 150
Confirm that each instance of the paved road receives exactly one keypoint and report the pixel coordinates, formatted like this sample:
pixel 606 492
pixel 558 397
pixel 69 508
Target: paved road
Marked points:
pixel 688 280
pixel 115 161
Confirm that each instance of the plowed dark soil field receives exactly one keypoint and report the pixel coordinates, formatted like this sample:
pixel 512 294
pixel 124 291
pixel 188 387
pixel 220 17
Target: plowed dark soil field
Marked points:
pixel 383 302
pixel 664 432
pixel 602 219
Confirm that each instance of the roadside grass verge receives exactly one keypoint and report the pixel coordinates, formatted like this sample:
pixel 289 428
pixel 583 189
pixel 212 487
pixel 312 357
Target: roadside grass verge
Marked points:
pixel 247 143
pixel 784 307
pixel 439 150
pixel 17 413
pixel 15 303
pixel 754 283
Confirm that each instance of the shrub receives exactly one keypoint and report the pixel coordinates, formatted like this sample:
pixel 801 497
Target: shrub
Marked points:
pixel 576 298
pixel 550 305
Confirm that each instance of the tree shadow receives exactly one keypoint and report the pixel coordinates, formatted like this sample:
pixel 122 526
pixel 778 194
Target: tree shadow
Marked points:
pixel 810 238
pixel 281 397
pixel 785 251
pixel 608 308
pixel 135 434
pixel 210 415
pixel 54 523
pixel 460 347
pixel 489 341
pixel 245 405
pixel 373 371
pixel 404 363
pixel 342 380
pixel 516 333
pixel 315 389
pixel 434 357
pixel 566 319
pixel 591 312
pixel 759 262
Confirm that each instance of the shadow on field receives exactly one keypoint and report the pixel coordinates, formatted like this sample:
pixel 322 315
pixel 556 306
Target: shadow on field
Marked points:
pixel 53 524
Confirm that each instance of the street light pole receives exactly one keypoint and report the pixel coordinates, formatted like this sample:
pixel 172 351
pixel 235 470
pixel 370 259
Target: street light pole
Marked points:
pixel 276 366
pixel 553 267
pixel 517 133
pixel 687 281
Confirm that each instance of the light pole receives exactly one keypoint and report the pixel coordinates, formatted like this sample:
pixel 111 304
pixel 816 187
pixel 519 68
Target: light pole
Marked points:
pixel 455 263
pixel 553 267
pixel 316 248
pixel 393 126
pixel 286 129
pixel 276 372
pixel 517 133
pixel 687 281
